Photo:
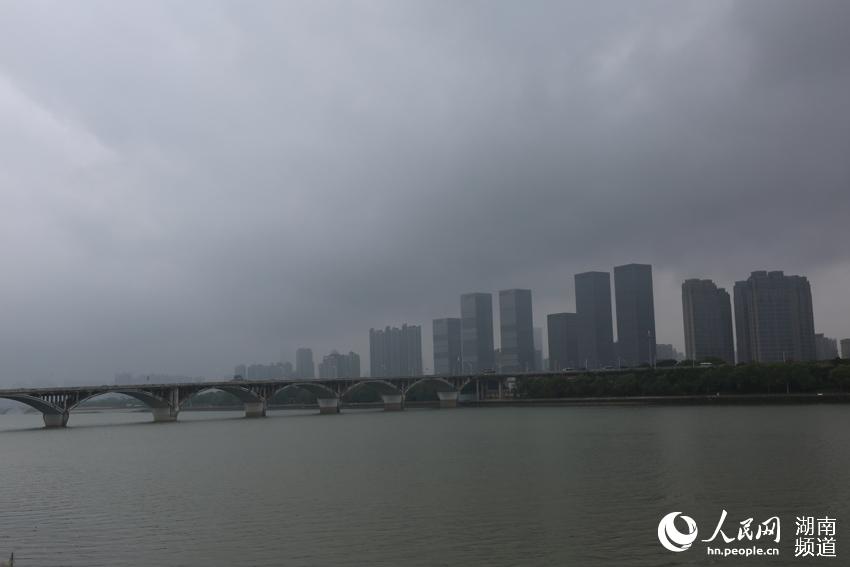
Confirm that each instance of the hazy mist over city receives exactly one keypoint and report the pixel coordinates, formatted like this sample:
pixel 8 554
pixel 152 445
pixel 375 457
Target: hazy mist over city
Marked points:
pixel 191 185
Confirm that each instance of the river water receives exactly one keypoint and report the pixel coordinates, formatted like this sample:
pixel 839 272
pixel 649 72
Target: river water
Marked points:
pixel 471 486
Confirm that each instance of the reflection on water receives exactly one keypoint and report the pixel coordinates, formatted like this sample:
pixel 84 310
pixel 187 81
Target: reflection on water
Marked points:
pixel 506 486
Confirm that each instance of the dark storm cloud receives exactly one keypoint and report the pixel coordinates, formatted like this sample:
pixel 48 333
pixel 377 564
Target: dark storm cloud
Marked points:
pixel 187 186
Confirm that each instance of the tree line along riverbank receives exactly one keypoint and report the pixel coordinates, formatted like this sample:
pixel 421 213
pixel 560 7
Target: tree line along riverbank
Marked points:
pixel 743 379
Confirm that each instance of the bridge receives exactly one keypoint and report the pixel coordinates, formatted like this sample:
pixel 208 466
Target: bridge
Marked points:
pixel 166 400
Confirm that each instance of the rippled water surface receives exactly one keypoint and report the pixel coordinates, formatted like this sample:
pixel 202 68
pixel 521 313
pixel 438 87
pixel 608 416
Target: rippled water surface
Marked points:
pixel 484 486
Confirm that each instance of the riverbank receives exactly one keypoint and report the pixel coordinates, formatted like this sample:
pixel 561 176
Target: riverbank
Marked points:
pixel 731 399
pixel 723 399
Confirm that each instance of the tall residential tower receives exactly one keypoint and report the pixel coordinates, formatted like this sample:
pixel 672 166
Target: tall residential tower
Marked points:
pixel 593 316
pixel 447 358
pixel 773 318
pixel 635 314
pixel 707 314
pixel 304 367
pixel 476 310
pixel 395 352
pixel 517 331
pixel 563 331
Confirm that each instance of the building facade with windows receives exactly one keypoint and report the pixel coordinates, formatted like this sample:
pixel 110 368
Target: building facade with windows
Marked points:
pixel 774 321
pixel 395 351
pixel 594 319
pixel 477 354
pixel 516 328
pixel 635 314
pixel 707 315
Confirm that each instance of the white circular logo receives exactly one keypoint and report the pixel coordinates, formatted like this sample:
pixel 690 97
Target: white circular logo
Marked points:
pixel 671 538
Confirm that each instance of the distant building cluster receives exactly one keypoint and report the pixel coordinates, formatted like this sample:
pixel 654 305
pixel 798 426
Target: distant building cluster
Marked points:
pixel 825 348
pixel 772 322
pixel 336 365
pixel 128 378
pixel 273 371
pixel 668 352
pixel 584 339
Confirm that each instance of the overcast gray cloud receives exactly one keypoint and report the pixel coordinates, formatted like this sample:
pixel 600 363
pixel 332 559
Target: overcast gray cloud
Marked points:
pixel 190 185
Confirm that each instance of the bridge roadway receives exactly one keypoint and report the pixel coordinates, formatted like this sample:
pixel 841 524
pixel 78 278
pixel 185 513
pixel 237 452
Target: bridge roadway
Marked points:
pixel 166 400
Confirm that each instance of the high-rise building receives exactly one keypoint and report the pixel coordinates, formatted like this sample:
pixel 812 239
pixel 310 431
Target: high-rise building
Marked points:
pixel 395 352
pixel 563 331
pixel 273 371
pixel 353 364
pixel 825 347
pixel 845 348
pixel 517 331
pixel 538 349
pixel 635 314
pixel 447 357
pixel 476 311
pixel 773 318
pixel 127 377
pixel 304 367
pixel 124 378
pixel 595 327
pixel 664 351
pixel 707 314
pixel 288 371
pixel 336 365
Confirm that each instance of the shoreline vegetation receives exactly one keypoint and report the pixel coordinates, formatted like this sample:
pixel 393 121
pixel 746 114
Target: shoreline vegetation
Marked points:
pixel 747 381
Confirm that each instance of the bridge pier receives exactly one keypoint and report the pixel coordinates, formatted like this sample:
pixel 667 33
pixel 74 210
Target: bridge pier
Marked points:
pixel 448 399
pixel 164 415
pixel 52 420
pixel 393 402
pixel 256 409
pixel 328 405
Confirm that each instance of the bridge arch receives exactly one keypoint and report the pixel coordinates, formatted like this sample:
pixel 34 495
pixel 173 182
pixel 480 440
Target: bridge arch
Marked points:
pixel 150 400
pixel 445 391
pixel 380 386
pixel 326 398
pixel 36 403
pixel 432 379
pixel 318 390
pixel 241 393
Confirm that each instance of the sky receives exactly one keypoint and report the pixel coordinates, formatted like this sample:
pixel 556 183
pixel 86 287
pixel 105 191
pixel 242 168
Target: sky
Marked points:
pixel 186 186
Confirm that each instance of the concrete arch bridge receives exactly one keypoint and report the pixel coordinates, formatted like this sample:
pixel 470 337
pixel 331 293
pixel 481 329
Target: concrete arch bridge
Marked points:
pixel 166 400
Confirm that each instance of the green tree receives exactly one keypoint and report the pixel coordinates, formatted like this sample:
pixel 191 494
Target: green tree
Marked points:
pixel 840 376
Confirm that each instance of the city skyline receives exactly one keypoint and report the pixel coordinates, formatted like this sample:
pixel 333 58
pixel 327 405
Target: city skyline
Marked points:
pixel 707 326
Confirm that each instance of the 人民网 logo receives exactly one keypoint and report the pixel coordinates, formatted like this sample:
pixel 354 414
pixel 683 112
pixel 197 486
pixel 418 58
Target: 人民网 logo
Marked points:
pixel 670 536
